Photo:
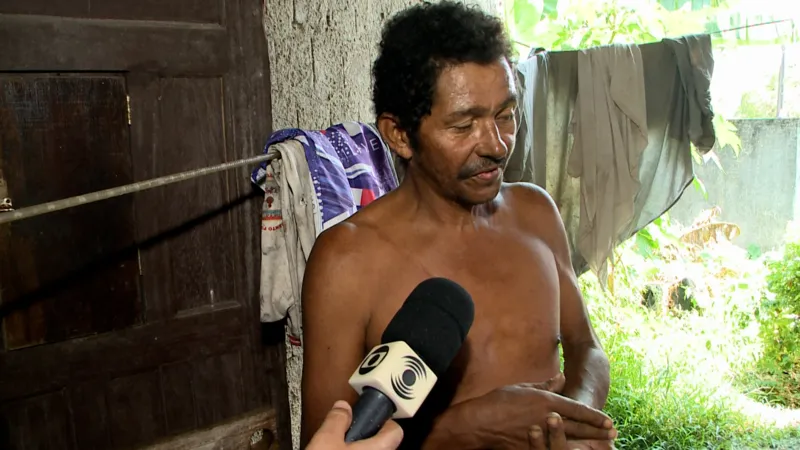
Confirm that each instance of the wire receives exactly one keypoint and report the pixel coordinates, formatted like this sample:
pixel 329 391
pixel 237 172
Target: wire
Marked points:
pixel 521 43
pixel 57 205
pixel 743 27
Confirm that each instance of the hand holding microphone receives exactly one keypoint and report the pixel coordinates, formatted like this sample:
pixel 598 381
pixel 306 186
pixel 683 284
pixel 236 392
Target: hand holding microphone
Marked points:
pixel 330 436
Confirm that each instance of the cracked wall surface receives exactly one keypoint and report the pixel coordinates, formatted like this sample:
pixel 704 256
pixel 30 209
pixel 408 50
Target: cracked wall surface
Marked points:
pixel 321 55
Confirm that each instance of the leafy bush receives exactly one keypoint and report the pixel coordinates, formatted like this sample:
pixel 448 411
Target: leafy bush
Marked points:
pixel 779 317
pixel 676 367
pixel 657 402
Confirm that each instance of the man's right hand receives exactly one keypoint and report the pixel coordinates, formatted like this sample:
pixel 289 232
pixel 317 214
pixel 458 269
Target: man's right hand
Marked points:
pixel 507 414
pixel 556 439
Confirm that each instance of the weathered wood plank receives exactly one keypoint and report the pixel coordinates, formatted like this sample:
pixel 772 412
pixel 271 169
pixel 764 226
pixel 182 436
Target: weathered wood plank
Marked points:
pixel 62 270
pixel 235 433
pixel 43 43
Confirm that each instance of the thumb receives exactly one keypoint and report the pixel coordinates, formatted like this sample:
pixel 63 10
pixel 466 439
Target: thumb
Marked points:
pixel 338 420
pixel 389 438
pixel 555 384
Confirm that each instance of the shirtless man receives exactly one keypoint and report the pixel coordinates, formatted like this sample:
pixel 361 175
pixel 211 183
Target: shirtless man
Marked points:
pixel 445 100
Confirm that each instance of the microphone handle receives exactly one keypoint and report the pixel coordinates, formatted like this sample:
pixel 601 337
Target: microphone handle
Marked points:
pixel 370 412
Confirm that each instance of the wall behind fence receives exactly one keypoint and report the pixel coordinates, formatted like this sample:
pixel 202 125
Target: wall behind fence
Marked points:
pixel 756 190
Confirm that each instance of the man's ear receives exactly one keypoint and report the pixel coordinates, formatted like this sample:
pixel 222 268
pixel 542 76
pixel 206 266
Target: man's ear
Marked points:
pixel 395 136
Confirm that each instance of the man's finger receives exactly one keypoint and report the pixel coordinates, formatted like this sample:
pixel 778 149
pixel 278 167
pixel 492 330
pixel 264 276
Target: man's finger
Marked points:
pixel 584 431
pixel 536 439
pixel 555 432
pixel 556 384
pixel 568 408
pixel 338 420
pixel 388 438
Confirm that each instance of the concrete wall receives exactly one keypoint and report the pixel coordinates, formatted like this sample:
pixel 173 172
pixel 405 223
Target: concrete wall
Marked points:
pixel 321 55
pixel 757 190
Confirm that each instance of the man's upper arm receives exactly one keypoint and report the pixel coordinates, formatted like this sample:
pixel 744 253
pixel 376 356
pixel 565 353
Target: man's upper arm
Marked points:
pixel 576 330
pixel 335 316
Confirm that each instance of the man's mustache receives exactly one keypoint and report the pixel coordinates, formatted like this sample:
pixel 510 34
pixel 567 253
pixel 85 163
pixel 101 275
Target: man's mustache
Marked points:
pixel 484 164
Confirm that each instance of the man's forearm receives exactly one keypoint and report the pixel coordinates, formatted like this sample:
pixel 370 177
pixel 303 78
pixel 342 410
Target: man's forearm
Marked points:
pixel 586 370
pixel 457 428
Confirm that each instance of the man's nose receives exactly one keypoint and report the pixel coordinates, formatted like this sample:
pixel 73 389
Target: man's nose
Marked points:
pixel 492 144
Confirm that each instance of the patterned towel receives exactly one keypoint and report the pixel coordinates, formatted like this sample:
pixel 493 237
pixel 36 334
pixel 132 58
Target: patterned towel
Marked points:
pixel 349 163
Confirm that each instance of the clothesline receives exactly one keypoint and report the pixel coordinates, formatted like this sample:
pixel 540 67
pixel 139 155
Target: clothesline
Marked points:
pixel 57 205
pixel 711 33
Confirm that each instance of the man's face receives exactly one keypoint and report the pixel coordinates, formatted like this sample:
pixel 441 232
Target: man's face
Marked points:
pixel 465 141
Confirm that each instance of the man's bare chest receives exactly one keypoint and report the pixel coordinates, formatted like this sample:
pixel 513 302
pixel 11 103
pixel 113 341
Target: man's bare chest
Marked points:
pixel 514 286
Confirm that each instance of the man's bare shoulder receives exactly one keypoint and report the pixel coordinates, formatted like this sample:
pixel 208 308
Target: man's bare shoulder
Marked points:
pixel 347 263
pixel 354 243
pixel 528 198
pixel 342 245
pixel 538 215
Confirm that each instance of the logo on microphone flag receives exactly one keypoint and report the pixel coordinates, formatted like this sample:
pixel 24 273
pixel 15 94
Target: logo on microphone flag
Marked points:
pixel 395 370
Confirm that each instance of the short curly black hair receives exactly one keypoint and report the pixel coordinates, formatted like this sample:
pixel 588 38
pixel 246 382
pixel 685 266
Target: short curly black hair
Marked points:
pixel 418 43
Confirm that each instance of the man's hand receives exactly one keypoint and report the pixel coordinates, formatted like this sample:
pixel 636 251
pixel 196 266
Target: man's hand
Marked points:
pixel 591 445
pixel 507 414
pixel 556 439
pixel 330 435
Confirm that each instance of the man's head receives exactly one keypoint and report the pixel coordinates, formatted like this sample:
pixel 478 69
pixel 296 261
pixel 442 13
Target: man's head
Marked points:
pixel 445 98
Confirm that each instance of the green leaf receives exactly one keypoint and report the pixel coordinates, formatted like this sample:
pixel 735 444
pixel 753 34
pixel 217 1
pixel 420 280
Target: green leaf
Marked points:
pixel 550 8
pixel 645 244
pixel 585 39
pixel 526 15
pixel 698 184
pixel 696 155
pixel 713 156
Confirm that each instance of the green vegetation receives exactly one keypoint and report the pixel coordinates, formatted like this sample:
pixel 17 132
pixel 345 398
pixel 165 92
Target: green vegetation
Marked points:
pixel 678 325
pixel 779 315
pixel 703 336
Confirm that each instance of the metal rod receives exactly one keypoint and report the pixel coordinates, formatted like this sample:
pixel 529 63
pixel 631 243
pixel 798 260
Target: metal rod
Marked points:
pixel 781 79
pixel 57 205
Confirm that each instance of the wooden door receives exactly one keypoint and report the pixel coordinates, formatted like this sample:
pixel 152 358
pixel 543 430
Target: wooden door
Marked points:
pixel 133 319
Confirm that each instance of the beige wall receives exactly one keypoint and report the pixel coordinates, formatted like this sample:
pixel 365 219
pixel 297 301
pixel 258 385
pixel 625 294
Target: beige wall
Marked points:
pixel 321 55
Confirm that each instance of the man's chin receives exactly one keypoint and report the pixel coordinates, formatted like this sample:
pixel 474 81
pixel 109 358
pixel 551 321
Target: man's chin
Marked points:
pixel 482 196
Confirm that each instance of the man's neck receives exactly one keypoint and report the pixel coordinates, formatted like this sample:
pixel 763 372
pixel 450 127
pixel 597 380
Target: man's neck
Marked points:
pixel 432 206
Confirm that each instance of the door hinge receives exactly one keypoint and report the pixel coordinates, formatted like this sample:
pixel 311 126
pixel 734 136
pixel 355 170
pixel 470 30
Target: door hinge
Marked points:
pixel 128 106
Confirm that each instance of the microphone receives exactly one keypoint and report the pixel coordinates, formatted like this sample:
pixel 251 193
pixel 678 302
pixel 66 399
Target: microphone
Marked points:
pixel 416 348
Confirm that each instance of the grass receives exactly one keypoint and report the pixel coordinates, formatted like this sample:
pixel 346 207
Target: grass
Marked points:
pixel 677 375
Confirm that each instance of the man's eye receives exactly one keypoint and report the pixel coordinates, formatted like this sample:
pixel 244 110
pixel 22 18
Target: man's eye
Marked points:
pixel 506 117
pixel 463 127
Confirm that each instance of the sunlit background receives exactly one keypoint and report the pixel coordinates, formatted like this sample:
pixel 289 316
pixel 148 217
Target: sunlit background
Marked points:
pixel 701 317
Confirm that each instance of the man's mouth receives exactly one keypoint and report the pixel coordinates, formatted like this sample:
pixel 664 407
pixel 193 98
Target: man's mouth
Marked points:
pixel 488 174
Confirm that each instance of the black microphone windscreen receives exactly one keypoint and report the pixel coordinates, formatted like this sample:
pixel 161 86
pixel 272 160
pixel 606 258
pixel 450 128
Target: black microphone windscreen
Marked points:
pixel 433 321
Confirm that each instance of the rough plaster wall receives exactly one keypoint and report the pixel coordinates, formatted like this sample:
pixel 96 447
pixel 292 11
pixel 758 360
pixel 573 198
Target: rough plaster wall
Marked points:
pixel 321 54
